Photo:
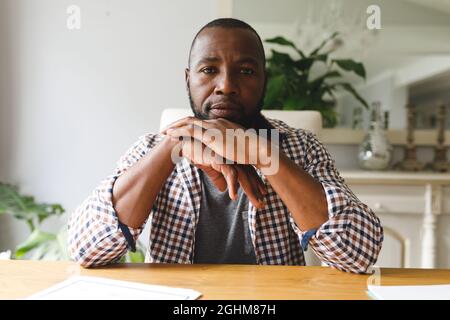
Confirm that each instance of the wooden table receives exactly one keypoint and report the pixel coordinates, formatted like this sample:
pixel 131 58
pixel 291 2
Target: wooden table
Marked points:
pixel 18 279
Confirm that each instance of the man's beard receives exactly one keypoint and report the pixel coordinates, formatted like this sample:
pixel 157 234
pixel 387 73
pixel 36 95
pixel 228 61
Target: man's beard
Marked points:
pixel 245 121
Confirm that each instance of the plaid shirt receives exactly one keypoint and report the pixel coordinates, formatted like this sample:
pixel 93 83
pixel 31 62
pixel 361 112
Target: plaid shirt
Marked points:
pixel 350 240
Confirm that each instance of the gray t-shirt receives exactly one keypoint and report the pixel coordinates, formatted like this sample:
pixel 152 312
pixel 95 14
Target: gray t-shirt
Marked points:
pixel 222 234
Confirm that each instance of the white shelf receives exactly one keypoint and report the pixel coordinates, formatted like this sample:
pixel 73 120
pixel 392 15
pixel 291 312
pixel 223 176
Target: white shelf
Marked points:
pixel 395 177
pixel 396 137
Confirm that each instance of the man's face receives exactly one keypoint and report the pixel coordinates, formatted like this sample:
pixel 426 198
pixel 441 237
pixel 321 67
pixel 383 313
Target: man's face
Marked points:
pixel 226 76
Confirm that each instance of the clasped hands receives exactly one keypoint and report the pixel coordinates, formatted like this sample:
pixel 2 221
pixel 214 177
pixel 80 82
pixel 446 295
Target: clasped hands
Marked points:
pixel 219 148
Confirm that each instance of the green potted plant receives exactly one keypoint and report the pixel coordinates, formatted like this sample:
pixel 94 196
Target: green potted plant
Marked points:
pixel 290 84
pixel 39 245
pixel 42 245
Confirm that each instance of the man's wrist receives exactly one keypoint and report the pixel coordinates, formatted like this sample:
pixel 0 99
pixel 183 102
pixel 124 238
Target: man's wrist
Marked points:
pixel 268 153
pixel 170 149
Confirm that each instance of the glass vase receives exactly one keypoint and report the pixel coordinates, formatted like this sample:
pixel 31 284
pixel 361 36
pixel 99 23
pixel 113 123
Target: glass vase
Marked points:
pixel 375 151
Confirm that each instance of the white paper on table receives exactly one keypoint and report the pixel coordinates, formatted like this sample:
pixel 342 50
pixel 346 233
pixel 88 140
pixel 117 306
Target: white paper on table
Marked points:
pixel 95 288
pixel 426 292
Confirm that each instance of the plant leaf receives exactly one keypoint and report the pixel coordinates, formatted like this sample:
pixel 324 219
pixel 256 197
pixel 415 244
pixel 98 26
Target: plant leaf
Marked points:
pixel 297 103
pixel 330 74
pixel 320 57
pixel 25 207
pixel 349 88
pixel 34 240
pixel 280 58
pixel 329 117
pixel 136 257
pixel 324 42
pixel 351 65
pixel 275 90
pixel 284 42
pixel 305 64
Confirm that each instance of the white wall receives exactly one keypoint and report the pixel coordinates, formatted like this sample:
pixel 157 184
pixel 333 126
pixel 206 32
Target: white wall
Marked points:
pixel 71 102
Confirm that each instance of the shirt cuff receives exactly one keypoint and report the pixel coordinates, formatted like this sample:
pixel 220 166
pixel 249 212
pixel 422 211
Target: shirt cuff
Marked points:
pixel 306 237
pixel 131 244
pixel 105 193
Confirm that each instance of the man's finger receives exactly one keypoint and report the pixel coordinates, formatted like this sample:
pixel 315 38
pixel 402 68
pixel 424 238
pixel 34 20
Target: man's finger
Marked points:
pixel 257 179
pixel 216 177
pixel 177 123
pixel 249 187
pixel 193 151
pixel 191 121
pixel 230 174
pixel 186 131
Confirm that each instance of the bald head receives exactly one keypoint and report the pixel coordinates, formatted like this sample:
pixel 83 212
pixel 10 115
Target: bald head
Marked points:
pixel 230 24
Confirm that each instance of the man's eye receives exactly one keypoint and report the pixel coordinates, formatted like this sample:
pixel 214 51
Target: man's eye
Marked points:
pixel 247 71
pixel 208 70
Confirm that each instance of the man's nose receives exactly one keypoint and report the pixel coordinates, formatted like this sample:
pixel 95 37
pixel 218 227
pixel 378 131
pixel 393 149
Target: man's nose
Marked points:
pixel 226 85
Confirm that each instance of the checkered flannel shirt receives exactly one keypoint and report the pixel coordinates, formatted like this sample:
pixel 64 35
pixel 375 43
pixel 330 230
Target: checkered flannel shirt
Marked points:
pixel 350 240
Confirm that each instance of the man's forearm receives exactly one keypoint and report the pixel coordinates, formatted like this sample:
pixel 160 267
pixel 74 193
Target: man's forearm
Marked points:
pixel 302 195
pixel 135 190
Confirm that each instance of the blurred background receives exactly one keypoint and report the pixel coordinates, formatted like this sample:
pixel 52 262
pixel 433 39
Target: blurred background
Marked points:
pixel 73 98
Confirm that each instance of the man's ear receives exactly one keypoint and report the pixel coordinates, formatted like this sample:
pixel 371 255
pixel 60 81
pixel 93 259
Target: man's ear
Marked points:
pixel 186 77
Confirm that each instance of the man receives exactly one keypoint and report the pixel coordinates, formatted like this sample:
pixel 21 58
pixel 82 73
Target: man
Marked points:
pixel 222 207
